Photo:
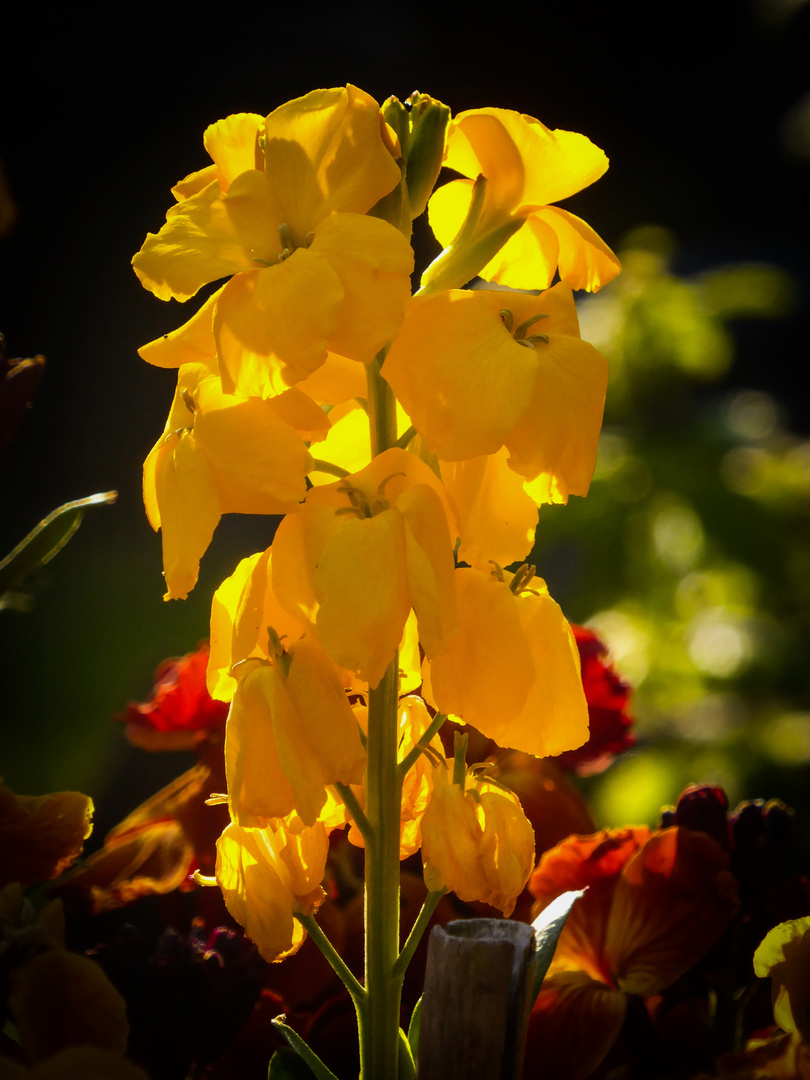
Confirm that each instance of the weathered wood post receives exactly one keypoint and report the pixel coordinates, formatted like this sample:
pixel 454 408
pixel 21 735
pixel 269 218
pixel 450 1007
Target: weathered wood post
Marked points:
pixel 476 1001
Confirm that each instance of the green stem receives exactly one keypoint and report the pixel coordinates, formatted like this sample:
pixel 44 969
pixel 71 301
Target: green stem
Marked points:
pixel 356 990
pixel 318 465
pixel 355 809
pixel 418 928
pixel 380 1035
pixel 382 407
pixel 411 757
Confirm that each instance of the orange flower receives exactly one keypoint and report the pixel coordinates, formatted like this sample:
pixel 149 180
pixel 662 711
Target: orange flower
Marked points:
pixel 655 904
pixel 41 835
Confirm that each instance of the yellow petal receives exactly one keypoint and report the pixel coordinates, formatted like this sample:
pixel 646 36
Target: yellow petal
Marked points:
pixel 191 343
pixel 178 482
pixel 361 583
pixel 256 889
pixel 272 327
pixel 559 433
pixel 374 262
pixel 199 243
pixel 258 788
pixel 460 375
pixel 528 260
pixel 336 380
pixel 497 519
pixel 585 260
pixel 242 608
pixel 259 462
pixel 324 152
pixel 232 145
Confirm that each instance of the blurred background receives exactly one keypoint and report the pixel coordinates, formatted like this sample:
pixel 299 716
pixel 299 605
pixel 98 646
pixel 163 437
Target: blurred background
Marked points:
pixel 691 555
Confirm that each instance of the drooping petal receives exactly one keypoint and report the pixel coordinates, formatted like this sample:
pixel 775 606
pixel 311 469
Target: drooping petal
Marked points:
pixel 258 788
pixel 361 584
pixel 256 889
pixel 41 835
pixel 272 327
pixel 461 377
pixel 259 461
pixel 529 259
pixel 242 608
pixel 324 153
pixel 180 495
pixel 497 519
pixel 585 260
pixel 374 262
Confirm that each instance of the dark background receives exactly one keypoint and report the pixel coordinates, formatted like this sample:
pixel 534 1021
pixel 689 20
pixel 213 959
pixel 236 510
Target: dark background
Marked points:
pixel 697 106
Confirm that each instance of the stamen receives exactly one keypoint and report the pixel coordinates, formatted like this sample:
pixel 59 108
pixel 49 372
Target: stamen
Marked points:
pixel 507 318
pixel 524 326
pixel 188 400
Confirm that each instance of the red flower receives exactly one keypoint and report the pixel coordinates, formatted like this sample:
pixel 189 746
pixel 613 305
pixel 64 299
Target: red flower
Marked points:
pixel 180 713
pixel 608 703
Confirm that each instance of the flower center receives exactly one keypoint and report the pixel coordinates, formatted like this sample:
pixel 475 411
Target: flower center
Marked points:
pixel 520 334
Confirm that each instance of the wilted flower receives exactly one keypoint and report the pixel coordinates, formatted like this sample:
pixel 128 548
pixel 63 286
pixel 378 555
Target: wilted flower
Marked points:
pixel 290 733
pixel 266 876
pixel 41 835
pixel 476 840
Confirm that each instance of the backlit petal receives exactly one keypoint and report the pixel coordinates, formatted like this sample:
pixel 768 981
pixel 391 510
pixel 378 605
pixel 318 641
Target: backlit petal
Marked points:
pixel 324 153
pixel 191 343
pixel 231 144
pixel 585 260
pixel 272 326
pixel 374 262
pixel 199 243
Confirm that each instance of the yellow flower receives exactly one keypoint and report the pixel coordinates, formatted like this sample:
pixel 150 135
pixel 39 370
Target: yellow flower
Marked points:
pixel 283 210
pixel 519 239
pixel 784 955
pixel 221 453
pixel 476 841
pixel 477 370
pixel 267 875
pixel 290 732
pixel 361 554
pixel 513 672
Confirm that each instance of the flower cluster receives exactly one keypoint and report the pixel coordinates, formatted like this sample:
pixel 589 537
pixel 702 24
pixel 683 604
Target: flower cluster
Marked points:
pixel 408 441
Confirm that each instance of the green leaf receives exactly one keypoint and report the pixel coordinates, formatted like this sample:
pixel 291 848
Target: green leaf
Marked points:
pixel 45 541
pixel 547 929
pixel 405 1059
pixel 413 1028
pixel 287 1065
pixel 295 1041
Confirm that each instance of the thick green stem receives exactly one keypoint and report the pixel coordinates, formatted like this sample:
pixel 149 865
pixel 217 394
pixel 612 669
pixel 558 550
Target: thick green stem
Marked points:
pixel 380 1035
pixel 382 407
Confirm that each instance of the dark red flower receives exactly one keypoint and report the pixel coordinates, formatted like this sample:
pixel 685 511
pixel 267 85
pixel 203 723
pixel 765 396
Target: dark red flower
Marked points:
pixel 608 700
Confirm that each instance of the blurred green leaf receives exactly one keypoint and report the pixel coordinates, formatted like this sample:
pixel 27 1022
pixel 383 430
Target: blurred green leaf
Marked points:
pixel 42 543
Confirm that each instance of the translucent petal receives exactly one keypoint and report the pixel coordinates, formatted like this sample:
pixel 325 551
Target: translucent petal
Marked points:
pixel 324 152
pixel 459 374
pixel 199 243
pixel 497 519
pixel 361 583
pixel 272 326
pixel 585 260
pixel 374 262
pixel 232 145
pixel 191 343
